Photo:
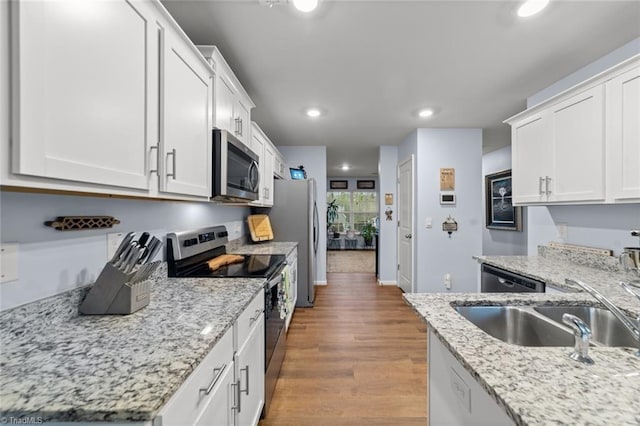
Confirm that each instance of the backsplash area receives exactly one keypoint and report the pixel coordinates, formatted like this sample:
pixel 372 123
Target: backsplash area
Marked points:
pixel 51 262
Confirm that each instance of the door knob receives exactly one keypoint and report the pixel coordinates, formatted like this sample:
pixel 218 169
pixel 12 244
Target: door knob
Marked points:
pixel 407 236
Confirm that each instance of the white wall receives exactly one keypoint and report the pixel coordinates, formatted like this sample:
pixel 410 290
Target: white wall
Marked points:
pixel 605 226
pixel 314 160
pixel 50 261
pixel 388 231
pixel 435 253
pixel 496 242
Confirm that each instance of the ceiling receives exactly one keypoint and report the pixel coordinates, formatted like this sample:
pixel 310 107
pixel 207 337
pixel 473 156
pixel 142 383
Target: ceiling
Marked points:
pixel 371 65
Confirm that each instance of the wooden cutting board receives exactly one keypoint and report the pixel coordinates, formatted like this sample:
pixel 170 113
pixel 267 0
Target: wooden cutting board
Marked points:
pixel 260 227
pixel 224 260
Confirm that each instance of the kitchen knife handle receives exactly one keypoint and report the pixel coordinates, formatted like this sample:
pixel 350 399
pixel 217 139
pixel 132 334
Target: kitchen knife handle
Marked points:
pixel 122 247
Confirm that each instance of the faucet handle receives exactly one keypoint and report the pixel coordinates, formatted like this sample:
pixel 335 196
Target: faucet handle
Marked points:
pixel 629 290
pixel 582 334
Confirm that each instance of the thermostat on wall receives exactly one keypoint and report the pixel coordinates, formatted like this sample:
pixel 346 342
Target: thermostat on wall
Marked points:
pixel 447 198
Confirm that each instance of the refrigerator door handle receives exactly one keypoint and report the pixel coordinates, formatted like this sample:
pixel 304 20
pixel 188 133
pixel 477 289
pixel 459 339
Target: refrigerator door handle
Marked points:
pixel 316 224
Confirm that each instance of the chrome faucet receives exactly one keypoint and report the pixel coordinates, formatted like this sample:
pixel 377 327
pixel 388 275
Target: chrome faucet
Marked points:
pixel 631 325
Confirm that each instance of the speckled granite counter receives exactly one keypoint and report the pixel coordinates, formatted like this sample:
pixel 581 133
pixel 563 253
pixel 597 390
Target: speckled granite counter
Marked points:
pixel 537 385
pixel 541 385
pixel 64 367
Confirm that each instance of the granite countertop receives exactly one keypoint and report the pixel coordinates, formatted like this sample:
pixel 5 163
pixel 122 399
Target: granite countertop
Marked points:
pixel 61 366
pixel 541 385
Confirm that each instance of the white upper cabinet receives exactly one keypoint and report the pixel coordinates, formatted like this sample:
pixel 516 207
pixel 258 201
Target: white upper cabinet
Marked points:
pixel 185 139
pixel 582 146
pixel 279 166
pixel 623 136
pixel 108 97
pixel 82 100
pixel 261 145
pixel 532 158
pixel 578 148
pixel 232 103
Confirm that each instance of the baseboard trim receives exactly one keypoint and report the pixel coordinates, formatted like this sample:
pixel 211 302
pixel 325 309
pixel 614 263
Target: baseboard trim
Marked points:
pixel 395 283
pixel 320 283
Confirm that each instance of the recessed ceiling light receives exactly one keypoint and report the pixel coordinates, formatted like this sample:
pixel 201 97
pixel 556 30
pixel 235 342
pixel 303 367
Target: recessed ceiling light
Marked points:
pixel 314 112
pixel 531 7
pixel 424 113
pixel 305 5
pixel 345 167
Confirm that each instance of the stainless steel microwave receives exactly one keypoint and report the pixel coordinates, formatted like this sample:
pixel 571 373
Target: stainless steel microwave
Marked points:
pixel 236 177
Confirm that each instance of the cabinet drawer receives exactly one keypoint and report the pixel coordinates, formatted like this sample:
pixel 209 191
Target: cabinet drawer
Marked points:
pixel 192 397
pixel 248 319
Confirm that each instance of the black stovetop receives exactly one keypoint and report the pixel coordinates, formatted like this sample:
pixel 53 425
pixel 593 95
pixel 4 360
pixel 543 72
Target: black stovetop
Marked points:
pixel 253 266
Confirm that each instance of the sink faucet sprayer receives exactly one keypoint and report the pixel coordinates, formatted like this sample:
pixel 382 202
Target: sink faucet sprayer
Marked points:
pixel 631 325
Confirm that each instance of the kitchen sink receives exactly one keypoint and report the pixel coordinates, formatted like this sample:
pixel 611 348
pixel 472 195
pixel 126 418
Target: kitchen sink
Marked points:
pixel 606 329
pixel 543 326
pixel 517 325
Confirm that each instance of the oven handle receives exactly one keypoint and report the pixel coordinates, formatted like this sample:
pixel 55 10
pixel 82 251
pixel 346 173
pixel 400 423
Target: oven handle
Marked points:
pixel 277 276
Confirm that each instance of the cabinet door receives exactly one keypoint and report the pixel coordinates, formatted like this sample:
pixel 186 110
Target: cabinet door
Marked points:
pixel 225 100
pixel 243 120
pixel 578 129
pixel 250 367
pixel 532 158
pixel 186 145
pixel 623 137
pixel 267 174
pixel 80 90
pixel 219 410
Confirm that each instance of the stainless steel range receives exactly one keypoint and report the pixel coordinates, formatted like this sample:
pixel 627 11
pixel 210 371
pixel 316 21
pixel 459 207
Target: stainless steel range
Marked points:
pixel 189 255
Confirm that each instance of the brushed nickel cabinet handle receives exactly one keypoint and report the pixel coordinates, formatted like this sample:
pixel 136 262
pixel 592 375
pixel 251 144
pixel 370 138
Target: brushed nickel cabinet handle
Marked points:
pixel 150 152
pixel 218 373
pixel 173 170
pixel 246 370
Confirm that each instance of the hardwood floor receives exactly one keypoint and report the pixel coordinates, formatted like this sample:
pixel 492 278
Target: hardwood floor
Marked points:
pixel 357 358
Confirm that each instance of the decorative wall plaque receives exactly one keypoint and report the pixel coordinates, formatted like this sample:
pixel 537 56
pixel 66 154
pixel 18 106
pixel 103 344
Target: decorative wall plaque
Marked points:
pixel 447 179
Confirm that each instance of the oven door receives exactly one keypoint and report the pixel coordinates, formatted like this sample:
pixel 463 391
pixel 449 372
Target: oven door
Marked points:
pixel 236 172
pixel 274 336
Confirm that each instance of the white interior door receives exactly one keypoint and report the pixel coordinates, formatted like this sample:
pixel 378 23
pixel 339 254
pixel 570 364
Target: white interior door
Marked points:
pixel 405 226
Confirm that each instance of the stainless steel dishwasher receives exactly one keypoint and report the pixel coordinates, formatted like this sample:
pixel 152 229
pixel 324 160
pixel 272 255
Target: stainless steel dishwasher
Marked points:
pixel 496 280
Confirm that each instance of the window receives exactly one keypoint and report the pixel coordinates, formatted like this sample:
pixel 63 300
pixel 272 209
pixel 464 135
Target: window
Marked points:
pixel 355 209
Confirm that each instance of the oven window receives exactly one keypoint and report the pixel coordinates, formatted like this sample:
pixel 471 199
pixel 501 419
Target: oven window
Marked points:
pixel 240 173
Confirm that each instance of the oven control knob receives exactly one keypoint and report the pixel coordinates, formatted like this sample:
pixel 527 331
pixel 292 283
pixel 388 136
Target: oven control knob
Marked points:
pixel 191 242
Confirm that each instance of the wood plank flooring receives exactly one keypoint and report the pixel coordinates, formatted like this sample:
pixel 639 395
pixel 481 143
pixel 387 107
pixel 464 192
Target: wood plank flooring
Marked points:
pixel 358 357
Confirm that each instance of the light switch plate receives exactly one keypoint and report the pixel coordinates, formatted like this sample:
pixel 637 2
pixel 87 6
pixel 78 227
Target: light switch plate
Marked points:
pixel 9 262
pixel 113 241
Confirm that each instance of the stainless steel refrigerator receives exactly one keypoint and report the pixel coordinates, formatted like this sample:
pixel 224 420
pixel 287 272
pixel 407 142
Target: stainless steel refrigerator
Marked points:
pixel 294 217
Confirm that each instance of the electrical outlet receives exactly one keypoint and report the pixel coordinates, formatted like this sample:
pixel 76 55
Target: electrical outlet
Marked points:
pixel 428 222
pixel 9 263
pixel 447 281
pixel 563 230
pixel 113 241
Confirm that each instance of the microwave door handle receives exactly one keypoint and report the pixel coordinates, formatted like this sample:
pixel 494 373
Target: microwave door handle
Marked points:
pixel 254 182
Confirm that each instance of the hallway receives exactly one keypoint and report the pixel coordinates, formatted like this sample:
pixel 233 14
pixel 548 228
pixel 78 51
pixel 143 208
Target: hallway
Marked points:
pixel 357 358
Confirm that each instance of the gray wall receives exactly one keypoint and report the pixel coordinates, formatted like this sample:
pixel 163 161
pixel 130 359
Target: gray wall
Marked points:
pixel 497 242
pixel 605 226
pixel 314 160
pixel 388 232
pixel 50 261
pixel 435 253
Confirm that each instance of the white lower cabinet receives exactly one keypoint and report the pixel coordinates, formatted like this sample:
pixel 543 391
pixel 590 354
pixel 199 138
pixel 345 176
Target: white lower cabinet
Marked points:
pixel 455 398
pixel 227 387
pixel 220 409
pixel 250 367
pixel 203 386
pixel 292 261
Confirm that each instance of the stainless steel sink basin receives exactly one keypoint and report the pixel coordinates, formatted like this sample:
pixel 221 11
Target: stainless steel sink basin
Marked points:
pixel 542 325
pixel 517 325
pixel 606 329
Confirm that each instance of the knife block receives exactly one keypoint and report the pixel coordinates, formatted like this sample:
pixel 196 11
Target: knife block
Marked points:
pixel 115 293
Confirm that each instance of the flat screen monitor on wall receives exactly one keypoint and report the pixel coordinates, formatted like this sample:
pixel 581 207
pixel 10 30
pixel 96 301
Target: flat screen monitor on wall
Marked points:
pixel 297 173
